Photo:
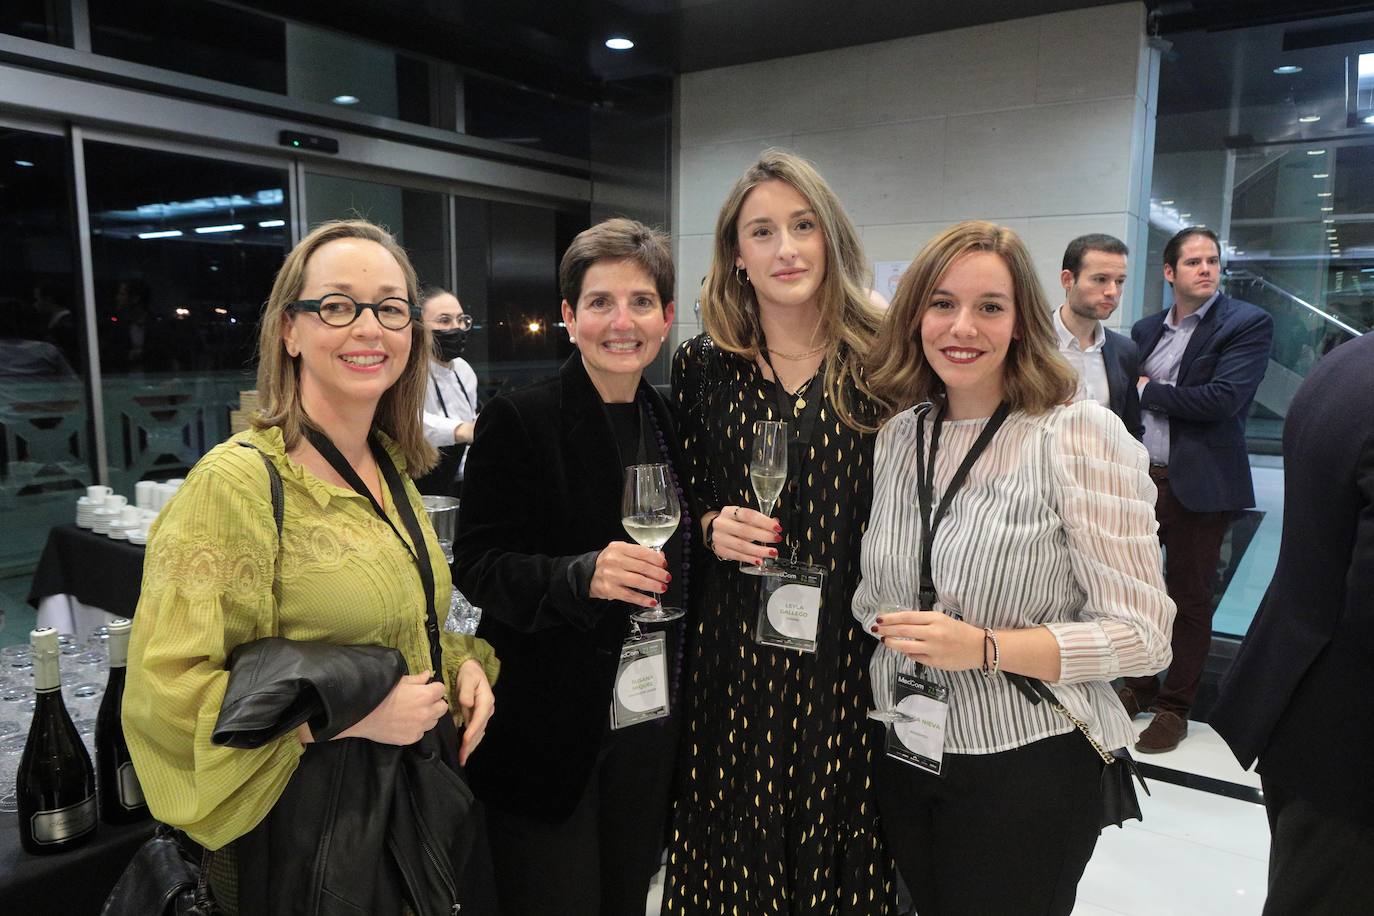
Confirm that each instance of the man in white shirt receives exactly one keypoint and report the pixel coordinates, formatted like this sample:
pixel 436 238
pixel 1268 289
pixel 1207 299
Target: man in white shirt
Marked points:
pixel 1107 363
pixel 450 412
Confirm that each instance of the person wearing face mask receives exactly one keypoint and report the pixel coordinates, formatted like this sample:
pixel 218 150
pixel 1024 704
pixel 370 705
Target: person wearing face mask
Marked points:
pixel 450 413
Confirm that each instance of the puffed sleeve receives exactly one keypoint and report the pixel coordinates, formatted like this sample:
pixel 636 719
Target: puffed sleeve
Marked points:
pixel 1104 495
pixel 207 587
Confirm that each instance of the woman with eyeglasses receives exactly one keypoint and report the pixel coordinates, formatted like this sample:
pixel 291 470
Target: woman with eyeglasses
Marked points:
pixel 343 362
pixel 450 414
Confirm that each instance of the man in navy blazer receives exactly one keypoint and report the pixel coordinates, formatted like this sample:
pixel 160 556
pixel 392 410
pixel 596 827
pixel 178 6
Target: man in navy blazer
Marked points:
pixel 1296 696
pixel 1107 363
pixel 1201 363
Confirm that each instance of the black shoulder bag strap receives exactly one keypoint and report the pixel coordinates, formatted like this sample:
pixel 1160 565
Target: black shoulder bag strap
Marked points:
pixel 274 481
pixel 416 546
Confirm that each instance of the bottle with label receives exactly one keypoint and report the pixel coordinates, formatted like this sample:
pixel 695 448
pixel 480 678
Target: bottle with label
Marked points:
pixel 56 782
pixel 121 798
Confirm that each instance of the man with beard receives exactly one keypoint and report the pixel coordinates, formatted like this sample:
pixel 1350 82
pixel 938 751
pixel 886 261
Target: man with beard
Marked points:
pixel 1107 363
pixel 451 398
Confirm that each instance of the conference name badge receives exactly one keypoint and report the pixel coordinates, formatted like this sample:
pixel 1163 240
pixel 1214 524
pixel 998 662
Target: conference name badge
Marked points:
pixel 790 606
pixel 917 737
pixel 641 681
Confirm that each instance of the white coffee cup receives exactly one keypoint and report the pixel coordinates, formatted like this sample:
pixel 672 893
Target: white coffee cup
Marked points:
pixel 115 501
pixel 130 516
pixel 143 493
pixel 97 494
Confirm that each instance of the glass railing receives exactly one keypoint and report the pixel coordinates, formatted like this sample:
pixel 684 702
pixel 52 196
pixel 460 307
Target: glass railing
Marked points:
pixel 1303 334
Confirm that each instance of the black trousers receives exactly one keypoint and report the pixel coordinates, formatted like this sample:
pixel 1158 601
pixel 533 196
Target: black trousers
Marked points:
pixel 600 860
pixel 1007 833
pixel 1319 864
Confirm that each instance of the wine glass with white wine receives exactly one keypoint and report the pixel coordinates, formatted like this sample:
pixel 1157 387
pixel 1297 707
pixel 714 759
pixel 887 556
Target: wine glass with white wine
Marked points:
pixel 650 513
pixel 768 473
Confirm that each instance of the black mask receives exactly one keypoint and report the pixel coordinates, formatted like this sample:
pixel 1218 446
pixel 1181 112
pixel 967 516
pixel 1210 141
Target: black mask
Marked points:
pixel 451 343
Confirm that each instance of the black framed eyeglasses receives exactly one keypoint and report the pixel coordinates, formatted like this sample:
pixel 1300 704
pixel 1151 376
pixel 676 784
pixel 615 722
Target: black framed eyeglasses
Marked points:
pixel 340 310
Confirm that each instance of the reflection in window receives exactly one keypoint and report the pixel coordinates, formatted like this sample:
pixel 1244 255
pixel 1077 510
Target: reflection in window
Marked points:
pixel 45 442
pixel 184 251
pixel 226 42
pixel 416 218
pixel 37 20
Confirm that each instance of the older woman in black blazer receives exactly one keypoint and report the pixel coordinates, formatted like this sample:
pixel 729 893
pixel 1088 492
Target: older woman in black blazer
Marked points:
pixel 576 808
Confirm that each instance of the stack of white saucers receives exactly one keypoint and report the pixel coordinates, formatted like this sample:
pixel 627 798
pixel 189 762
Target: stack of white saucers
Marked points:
pixel 102 519
pixel 85 512
pixel 138 536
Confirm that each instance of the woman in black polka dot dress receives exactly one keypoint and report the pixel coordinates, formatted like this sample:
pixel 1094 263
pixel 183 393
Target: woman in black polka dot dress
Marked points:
pixel 774 808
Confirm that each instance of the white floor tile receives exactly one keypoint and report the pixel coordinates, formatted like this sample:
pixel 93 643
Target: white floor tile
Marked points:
pixel 1188 815
pixel 1203 752
pixel 1137 872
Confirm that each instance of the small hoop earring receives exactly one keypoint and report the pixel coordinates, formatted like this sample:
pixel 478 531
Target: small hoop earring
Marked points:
pixel 741 276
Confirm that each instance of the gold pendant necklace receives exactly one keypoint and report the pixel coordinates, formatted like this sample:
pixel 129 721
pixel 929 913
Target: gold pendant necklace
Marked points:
pixel 800 395
pixel 796 356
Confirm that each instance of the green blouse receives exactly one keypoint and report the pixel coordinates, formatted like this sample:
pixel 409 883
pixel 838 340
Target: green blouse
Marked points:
pixel 213 579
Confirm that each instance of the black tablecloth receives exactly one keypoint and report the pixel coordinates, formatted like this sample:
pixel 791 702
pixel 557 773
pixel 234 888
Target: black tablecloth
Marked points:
pixel 73 883
pixel 95 569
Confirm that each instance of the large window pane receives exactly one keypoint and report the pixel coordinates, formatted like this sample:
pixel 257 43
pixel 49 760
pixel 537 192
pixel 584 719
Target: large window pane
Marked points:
pixel 508 258
pixel 184 251
pixel 226 42
pixel 38 20
pixel 45 442
pixel 416 218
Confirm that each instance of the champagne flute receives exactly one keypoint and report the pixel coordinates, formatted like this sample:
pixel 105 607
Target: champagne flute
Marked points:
pixel 649 511
pixel 768 473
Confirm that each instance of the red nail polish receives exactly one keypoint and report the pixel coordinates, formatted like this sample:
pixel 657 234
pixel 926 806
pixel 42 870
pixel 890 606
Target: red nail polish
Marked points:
pixel 758 562
pixel 663 588
pixel 772 553
pixel 873 628
pixel 670 577
pixel 778 528
pixel 878 620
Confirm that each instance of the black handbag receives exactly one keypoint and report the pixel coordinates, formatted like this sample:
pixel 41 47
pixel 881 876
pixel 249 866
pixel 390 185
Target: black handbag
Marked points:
pixel 164 878
pixel 1119 801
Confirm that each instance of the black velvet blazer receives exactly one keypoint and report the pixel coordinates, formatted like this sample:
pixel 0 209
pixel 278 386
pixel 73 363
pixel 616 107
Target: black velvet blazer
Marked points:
pixel 541 498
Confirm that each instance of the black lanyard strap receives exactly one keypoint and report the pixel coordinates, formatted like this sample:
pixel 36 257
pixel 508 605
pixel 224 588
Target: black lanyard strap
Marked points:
pixel 461 387
pixel 416 546
pixel 925 485
pixel 798 445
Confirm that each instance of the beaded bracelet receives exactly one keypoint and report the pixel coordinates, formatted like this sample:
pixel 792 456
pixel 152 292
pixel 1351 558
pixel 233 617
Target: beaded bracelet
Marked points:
pixel 991 637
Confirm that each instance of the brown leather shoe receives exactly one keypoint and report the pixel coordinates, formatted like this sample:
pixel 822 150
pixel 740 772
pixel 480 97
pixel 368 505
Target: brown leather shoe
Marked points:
pixel 1163 734
pixel 1128 699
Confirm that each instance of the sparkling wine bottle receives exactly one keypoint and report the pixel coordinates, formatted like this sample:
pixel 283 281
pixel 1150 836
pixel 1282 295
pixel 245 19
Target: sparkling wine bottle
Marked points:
pixel 121 798
pixel 56 784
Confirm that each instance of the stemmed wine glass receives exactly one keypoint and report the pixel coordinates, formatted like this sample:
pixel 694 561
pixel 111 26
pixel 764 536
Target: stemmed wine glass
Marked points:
pixel 892 715
pixel 649 511
pixel 768 473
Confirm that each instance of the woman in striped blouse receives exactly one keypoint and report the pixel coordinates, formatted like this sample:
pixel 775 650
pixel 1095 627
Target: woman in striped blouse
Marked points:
pixel 1045 564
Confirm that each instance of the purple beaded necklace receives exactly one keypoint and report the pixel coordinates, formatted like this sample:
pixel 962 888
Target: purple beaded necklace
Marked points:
pixel 684 524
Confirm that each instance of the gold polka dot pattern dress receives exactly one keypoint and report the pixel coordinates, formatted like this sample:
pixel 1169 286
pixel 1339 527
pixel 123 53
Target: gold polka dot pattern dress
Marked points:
pixel 774 810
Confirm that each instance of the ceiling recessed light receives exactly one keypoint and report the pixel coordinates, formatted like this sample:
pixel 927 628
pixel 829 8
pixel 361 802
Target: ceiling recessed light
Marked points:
pixel 1323 193
pixel 1315 152
pixel 164 234
pixel 271 223
pixel 228 227
pixel 1287 69
pixel 346 100
pixel 1309 119
pixel 1166 202
pixel 1327 209
pixel 619 43
pixel 23 163
pixel 1321 174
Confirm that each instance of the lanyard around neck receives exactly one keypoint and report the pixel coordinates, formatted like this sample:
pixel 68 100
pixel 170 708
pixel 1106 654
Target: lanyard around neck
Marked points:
pixel 461 387
pixel 416 546
pixel 925 485
pixel 804 423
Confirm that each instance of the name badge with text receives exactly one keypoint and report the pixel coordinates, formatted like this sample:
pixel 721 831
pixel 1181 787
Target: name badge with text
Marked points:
pixel 641 682
pixel 790 606
pixel 918 735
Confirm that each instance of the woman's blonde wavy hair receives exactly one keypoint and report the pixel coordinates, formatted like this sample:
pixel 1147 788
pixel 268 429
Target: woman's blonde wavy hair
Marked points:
pixel 730 312
pixel 1035 377
pixel 279 390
